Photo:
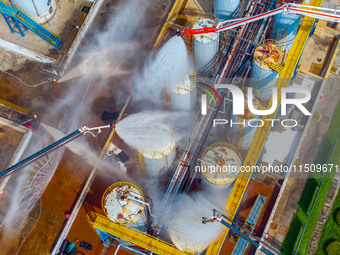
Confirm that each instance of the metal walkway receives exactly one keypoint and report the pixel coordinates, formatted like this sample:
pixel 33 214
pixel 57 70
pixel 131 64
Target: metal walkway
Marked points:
pixel 261 135
pixel 134 236
pixel 251 221
pixel 19 22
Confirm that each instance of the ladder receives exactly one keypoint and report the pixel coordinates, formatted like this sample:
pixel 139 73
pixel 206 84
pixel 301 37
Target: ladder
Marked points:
pixel 18 22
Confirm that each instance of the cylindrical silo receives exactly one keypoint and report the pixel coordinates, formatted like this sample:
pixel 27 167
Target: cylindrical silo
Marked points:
pixel 183 95
pixel 267 55
pixel 161 152
pixel 124 203
pixel 188 233
pixel 242 134
pixel 41 10
pixel 224 9
pixel 285 26
pixel 220 165
pixel 206 45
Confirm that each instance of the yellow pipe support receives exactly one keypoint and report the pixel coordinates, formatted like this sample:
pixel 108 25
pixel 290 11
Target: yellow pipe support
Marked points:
pixel 133 236
pixel 257 145
pixel 176 9
pixel 16 107
pixel 333 54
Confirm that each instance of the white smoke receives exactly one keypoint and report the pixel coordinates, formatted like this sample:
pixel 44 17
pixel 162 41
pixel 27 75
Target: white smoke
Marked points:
pixel 170 66
pixel 186 228
pixel 147 131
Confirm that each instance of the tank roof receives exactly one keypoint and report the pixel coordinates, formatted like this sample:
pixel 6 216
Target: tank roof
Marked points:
pixel 120 205
pixel 187 232
pixel 148 133
pixel 268 53
pixel 223 157
pixel 204 23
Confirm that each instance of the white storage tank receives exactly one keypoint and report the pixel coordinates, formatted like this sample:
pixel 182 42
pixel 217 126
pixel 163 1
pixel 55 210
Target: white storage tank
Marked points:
pixel 285 26
pixel 187 232
pixel 183 95
pixel 224 9
pixel 152 138
pixel 41 10
pixel 161 152
pixel 124 203
pixel 242 135
pixel 206 45
pixel 226 162
pixel 268 55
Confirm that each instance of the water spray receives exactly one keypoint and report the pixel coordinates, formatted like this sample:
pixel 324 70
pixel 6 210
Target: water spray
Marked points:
pixel 66 139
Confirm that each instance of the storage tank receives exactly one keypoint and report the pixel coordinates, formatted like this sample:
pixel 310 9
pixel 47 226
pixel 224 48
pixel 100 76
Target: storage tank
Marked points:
pixel 161 151
pixel 225 160
pixel 124 203
pixel 183 95
pixel 242 135
pixel 41 10
pixel 187 232
pixel 224 9
pixel 268 53
pixel 206 45
pixel 285 26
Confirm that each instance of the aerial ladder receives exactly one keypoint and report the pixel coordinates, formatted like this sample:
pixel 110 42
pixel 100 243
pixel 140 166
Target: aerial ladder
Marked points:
pixel 326 14
pixel 66 139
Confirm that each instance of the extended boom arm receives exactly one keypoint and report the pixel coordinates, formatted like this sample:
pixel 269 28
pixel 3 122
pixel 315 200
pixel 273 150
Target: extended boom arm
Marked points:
pixel 66 139
pixel 326 14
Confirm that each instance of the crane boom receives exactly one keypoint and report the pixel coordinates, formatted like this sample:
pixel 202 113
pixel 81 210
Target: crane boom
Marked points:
pixel 326 14
pixel 66 139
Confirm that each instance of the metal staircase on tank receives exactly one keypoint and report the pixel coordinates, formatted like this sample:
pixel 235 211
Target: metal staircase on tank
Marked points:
pixel 19 21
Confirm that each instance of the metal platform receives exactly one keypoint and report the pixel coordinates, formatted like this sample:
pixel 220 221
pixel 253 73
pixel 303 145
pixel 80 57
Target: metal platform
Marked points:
pixel 133 236
pixel 251 221
pixel 19 21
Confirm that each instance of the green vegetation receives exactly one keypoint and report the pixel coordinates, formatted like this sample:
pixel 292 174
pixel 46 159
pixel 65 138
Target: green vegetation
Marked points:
pixel 310 191
pixel 333 248
pixel 337 217
pixel 331 230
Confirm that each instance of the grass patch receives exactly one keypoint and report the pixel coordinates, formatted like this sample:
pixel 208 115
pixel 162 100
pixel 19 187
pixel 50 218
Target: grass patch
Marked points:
pixel 331 230
pixel 310 191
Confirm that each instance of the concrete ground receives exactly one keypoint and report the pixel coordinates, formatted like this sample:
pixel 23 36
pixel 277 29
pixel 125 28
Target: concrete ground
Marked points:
pixel 64 23
pixel 317 49
pixel 311 143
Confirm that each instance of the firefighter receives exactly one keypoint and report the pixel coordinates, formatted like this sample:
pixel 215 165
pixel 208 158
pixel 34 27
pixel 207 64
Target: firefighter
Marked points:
pixel 52 81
